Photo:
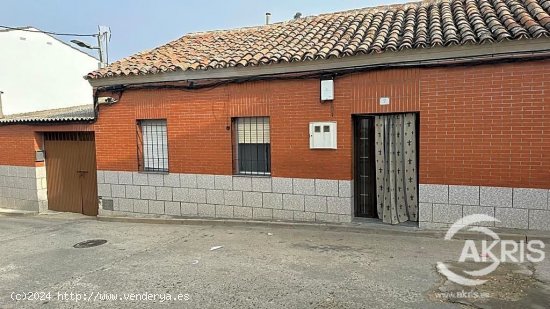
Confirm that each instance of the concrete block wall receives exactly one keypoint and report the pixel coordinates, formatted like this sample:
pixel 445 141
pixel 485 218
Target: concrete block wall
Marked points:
pixel 21 187
pixel 225 196
pixel 517 208
pixel 42 188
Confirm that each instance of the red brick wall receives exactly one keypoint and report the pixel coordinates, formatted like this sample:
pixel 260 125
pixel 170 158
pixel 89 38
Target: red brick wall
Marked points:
pixel 16 146
pixel 480 125
pixel 486 125
pixel 18 142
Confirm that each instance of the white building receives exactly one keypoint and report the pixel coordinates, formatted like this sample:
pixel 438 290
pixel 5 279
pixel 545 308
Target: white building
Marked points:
pixel 39 72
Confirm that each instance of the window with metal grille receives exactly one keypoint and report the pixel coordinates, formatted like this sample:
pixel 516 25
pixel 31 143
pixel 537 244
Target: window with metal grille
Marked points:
pixel 251 146
pixel 152 145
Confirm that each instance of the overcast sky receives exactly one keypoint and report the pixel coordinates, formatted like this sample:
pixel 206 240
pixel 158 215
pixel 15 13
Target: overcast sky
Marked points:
pixel 137 25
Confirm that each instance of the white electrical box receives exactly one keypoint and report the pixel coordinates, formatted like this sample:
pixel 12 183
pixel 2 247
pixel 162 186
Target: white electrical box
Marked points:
pixel 327 90
pixel 384 101
pixel 322 135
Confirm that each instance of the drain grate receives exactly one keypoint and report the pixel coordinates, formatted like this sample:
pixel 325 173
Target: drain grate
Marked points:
pixel 90 243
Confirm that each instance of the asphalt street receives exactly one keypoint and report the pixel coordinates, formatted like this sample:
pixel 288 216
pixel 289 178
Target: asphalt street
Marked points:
pixel 217 266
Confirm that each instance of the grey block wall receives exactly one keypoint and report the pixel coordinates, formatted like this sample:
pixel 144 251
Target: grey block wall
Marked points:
pixel 518 208
pixel 23 187
pixel 224 196
pixel 42 188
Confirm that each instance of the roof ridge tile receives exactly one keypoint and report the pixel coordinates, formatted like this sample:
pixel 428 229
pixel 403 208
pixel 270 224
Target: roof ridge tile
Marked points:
pixel 344 34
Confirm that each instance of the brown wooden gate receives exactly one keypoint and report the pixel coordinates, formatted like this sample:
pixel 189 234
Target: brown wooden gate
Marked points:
pixel 71 172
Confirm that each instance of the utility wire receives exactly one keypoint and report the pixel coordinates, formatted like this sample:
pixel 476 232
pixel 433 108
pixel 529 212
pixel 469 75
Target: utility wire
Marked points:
pixel 469 60
pixel 48 32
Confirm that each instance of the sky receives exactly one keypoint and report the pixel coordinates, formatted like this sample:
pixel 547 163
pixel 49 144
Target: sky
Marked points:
pixel 138 25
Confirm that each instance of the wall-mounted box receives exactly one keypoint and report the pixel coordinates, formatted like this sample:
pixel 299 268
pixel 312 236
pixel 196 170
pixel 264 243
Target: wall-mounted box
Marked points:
pixel 40 156
pixel 327 90
pixel 322 135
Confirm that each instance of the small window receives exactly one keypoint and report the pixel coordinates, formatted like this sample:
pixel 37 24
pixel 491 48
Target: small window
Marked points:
pixel 251 146
pixel 152 146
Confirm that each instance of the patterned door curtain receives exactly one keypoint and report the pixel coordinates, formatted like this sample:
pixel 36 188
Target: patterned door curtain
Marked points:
pixel 396 175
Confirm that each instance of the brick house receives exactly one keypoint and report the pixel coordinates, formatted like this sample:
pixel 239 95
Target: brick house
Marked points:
pixel 423 112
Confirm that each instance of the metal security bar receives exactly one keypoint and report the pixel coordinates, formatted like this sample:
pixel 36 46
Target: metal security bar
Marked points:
pixel 152 146
pixel 251 146
pixel 69 136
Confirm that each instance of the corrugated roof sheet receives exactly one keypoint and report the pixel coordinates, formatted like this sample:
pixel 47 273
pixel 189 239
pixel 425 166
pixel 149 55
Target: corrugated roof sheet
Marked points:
pixel 74 113
pixel 362 31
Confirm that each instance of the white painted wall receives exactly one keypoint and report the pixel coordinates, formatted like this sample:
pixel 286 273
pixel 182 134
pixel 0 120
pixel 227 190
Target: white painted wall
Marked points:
pixel 40 72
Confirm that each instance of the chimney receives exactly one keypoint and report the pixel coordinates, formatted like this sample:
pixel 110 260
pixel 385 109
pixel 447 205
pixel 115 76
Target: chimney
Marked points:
pixel 1 113
pixel 267 18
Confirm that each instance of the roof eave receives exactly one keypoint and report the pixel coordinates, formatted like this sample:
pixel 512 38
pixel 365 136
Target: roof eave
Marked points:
pixel 409 56
pixel 44 121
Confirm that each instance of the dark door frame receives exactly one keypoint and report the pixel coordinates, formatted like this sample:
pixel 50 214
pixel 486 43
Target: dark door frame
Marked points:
pixel 364 178
pixel 355 118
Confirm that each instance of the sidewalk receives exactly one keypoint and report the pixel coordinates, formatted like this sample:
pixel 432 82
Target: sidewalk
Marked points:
pixel 16 212
pixel 358 226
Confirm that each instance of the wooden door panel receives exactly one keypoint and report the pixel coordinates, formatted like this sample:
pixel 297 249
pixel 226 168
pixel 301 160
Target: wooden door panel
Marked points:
pixel 88 178
pixel 63 183
pixel 71 172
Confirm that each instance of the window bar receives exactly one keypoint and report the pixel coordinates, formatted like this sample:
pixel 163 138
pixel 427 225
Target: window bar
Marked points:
pixel 161 147
pixel 145 146
pixel 246 128
pixel 156 164
pixel 233 148
pixel 158 138
pixel 262 163
pixel 236 146
pixel 148 141
pixel 150 159
pixel 264 155
pixel 165 148
pixel 250 155
pixel 160 156
pixel 257 148
pixel 139 145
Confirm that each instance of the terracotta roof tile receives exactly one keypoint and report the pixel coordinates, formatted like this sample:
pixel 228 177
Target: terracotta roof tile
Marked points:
pixel 342 34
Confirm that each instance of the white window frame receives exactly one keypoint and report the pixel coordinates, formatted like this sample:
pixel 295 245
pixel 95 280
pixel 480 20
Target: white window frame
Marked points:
pixel 154 145
pixel 252 130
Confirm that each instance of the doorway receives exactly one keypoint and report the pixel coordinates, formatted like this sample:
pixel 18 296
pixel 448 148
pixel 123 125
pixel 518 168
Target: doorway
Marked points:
pixel 71 172
pixel 365 174
pixel 386 167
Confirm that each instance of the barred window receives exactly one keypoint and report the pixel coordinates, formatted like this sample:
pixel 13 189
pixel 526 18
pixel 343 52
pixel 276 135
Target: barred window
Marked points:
pixel 152 145
pixel 251 146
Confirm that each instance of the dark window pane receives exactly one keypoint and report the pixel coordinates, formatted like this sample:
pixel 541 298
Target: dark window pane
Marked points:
pixel 254 158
